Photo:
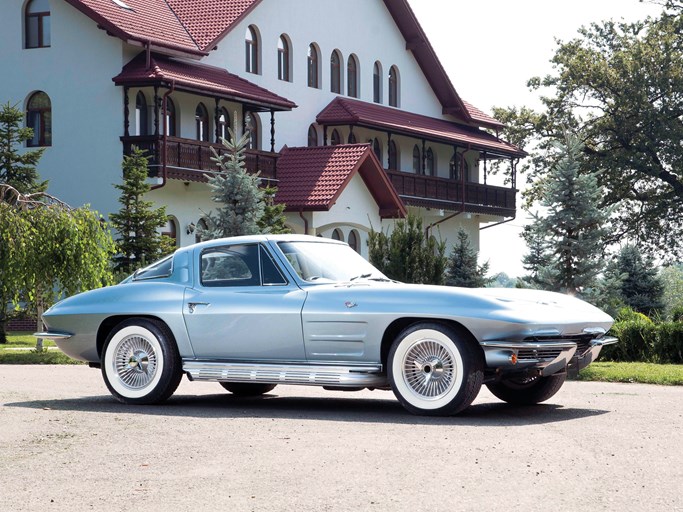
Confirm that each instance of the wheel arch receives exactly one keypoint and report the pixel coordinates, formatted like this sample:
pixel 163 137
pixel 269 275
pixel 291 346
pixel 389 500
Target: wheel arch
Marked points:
pixel 108 325
pixel 393 330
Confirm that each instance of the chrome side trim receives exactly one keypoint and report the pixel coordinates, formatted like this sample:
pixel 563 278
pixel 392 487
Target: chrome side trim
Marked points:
pixel 301 374
pixel 52 335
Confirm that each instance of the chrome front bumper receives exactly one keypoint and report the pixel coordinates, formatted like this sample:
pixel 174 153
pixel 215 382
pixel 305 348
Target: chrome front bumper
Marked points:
pixel 547 356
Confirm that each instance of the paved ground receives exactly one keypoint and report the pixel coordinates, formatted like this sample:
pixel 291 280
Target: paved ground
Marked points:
pixel 65 444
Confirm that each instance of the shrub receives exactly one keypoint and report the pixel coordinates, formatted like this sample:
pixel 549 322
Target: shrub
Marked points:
pixel 677 314
pixel 647 342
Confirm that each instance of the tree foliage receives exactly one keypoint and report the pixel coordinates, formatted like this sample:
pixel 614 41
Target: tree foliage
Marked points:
pixel 48 250
pixel 462 267
pixel 18 168
pixel 273 219
pixel 407 254
pixel 672 279
pixel 572 227
pixel 620 85
pixel 137 222
pixel 641 287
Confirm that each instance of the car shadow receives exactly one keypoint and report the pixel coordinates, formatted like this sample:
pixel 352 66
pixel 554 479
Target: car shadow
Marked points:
pixel 334 408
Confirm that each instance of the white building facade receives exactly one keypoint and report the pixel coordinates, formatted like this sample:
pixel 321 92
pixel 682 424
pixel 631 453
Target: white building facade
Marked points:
pixel 96 77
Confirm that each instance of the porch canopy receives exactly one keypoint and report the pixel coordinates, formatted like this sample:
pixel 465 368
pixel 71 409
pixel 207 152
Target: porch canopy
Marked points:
pixel 312 179
pixel 344 111
pixel 156 70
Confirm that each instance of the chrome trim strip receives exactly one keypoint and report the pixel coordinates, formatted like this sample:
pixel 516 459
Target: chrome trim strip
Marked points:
pixel 498 355
pixel 52 335
pixel 301 374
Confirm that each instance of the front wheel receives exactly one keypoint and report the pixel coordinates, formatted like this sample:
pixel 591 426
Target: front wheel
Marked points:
pixel 140 362
pixel 527 390
pixel 434 370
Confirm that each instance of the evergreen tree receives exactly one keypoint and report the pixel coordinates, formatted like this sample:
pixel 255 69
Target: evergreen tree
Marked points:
pixel 641 287
pixel 463 269
pixel 538 261
pixel 137 221
pixel 407 254
pixel 273 219
pixel 18 169
pixel 243 203
pixel 573 227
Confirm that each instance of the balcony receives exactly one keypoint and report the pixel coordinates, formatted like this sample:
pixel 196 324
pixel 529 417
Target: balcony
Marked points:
pixel 442 193
pixel 189 160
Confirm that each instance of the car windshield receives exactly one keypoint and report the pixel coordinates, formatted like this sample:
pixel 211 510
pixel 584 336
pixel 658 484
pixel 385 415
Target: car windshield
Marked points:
pixel 328 262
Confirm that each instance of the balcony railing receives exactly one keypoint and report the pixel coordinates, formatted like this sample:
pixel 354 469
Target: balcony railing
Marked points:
pixel 191 159
pixel 442 193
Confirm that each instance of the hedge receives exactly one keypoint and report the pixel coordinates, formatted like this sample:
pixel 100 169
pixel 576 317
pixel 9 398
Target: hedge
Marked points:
pixel 647 342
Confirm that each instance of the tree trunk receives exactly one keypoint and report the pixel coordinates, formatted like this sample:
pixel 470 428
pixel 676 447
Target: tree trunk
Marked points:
pixel 3 333
pixel 39 325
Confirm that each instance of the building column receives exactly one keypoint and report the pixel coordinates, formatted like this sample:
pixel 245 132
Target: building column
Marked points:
pixel 126 113
pixel 272 131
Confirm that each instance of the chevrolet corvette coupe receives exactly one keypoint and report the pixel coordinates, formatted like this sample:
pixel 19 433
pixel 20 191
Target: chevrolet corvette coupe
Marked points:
pixel 253 312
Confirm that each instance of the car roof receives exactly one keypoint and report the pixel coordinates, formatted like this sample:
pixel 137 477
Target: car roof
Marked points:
pixel 259 239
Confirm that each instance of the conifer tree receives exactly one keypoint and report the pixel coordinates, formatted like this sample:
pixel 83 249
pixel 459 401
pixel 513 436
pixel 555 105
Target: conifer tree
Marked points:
pixel 18 169
pixel 407 254
pixel 137 222
pixel 242 200
pixel 463 269
pixel 574 226
pixel 273 219
pixel 641 287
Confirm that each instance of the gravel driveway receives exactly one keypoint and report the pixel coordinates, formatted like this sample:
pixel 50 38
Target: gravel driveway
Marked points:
pixel 65 444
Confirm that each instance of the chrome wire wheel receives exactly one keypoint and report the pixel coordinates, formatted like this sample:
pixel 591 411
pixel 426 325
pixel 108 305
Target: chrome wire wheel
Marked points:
pixel 429 368
pixel 135 362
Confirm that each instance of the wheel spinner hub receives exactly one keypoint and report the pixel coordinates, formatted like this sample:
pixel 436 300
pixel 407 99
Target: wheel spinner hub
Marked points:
pixel 429 369
pixel 136 362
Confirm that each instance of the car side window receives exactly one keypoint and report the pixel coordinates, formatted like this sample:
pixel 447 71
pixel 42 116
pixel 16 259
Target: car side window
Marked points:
pixel 269 270
pixel 236 265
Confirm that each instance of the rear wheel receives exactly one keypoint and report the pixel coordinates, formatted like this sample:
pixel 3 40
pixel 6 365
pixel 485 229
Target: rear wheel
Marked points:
pixel 140 362
pixel 527 390
pixel 247 388
pixel 434 370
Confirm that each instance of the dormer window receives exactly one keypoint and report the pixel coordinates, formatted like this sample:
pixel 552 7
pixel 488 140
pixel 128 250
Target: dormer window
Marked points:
pixel 37 24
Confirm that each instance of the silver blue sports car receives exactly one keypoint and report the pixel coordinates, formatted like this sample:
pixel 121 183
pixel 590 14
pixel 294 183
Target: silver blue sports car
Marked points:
pixel 253 312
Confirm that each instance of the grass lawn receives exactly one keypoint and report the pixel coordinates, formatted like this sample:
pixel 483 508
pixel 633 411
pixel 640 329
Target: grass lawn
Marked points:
pixel 645 373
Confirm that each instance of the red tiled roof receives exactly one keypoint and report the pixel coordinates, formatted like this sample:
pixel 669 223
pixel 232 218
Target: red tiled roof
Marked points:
pixel 342 111
pixel 198 78
pixel 312 179
pixel 482 118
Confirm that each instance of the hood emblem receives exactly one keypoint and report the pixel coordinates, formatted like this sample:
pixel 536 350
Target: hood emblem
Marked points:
pixel 350 304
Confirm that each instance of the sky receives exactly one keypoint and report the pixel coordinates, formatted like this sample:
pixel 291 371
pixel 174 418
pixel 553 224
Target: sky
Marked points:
pixel 490 48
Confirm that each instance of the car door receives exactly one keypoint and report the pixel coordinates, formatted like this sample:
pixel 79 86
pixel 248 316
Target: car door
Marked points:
pixel 243 307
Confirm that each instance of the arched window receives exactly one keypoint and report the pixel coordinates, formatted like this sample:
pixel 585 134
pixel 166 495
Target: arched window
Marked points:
pixel 39 119
pixel 312 137
pixel 459 168
pixel 223 124
pixel 251 123
pixel 313 66
pixel 37 24
pixel 394 87
pixel 335 72
pixel 335 140
pixel 337 235
pixel 283 59
pixel 171 230
pixel 170 117
pixel 352 138
pixel 431 163
pixel 252 50
pixel 352 76
pixel 354 241
pixel 417 160
pixel 377 149
pixel 393 156
pixel 201 120
pixel 141 114
pixel 377 83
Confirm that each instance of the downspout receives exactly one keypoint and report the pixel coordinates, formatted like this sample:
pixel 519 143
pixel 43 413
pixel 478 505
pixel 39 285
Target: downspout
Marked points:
pixel 429 228
pixel 148 54
pixel 164 172
pixel 301 214
pixel 514 170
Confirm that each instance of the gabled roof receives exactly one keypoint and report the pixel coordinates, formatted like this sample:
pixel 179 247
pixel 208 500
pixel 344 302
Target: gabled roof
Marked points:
pixel 200 79
pixel 345 111
pixel 187 26
pixel 312 179
pixel 194 27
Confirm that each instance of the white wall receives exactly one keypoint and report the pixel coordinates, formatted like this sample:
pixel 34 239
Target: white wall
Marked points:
pixel 87 109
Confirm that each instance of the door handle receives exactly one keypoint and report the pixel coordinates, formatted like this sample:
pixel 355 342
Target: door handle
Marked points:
pixel 192 305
